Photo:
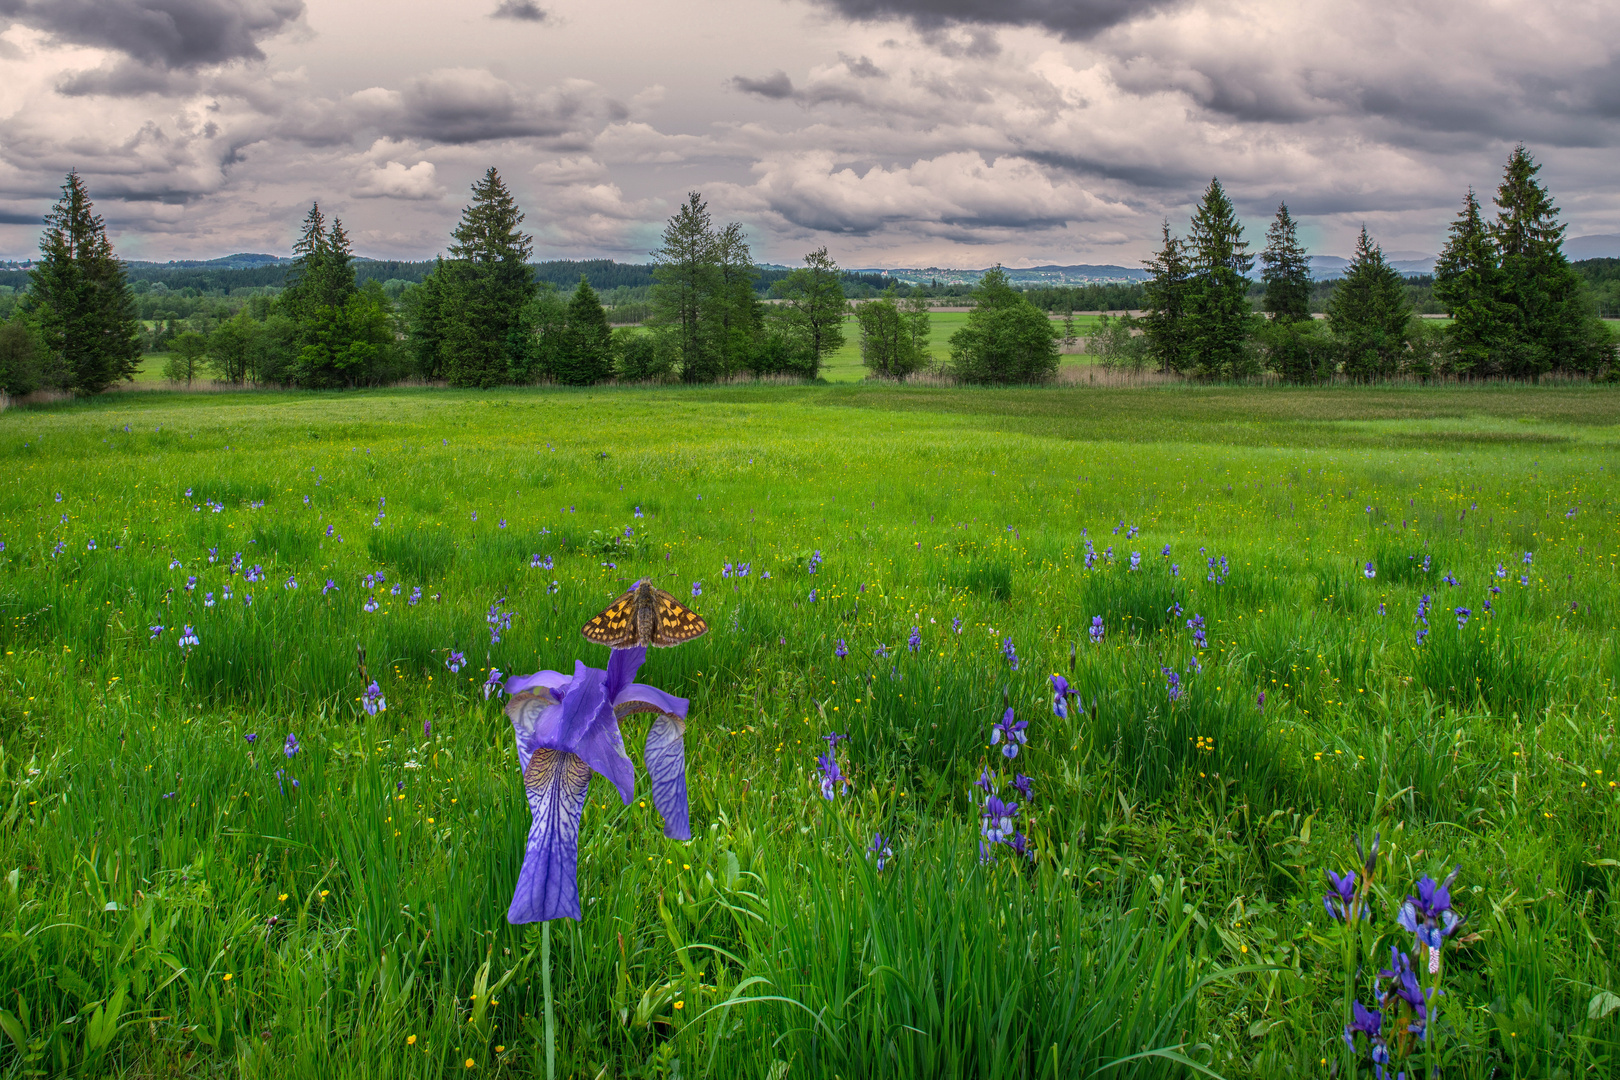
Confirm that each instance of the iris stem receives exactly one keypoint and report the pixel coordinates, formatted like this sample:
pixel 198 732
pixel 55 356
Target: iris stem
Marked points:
pixel 545 982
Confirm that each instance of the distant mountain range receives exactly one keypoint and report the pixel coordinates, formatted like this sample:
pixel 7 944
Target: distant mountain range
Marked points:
pixel 240 261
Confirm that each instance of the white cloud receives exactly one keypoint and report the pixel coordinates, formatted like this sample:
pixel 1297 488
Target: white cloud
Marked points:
pixel 395 181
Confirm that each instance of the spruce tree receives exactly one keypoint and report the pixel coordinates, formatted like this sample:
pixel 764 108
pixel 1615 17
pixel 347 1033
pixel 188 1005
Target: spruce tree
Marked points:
pixel 1286 271
pixel 585 354
pixel 732 311
pixel 1468 282
pixel 1369 314
pixel 1552 326
pixel 685 274
pixel 80 297
pixel 1165 298
pixel 1218 313
pixel 300 296
pixel 487 285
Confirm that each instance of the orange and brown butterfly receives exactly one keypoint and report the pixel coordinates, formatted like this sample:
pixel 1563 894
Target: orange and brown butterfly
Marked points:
pixel 646 615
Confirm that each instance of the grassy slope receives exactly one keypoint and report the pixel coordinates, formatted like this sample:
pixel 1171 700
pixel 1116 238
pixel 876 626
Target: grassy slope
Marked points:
pixel 129 782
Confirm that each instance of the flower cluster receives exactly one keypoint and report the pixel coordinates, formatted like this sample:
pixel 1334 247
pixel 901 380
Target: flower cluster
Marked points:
pixel 499 619
pixel 1218 570
pixel 1009 653
pixel 1000 820
pixel 815 562
pixel 1196 625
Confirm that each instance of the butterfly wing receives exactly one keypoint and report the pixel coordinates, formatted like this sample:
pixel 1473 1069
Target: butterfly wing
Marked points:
pixel 676 622
pixel 615 627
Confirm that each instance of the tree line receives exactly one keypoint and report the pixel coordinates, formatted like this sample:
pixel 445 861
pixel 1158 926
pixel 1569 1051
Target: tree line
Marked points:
pixel 1518 308
pixel 483 316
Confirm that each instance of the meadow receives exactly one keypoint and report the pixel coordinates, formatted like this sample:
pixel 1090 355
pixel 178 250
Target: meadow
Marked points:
pixel 1290 619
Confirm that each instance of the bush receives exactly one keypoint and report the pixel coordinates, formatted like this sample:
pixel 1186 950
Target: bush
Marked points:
pixel 1119 344
pixel 643 355
pixel 1006 340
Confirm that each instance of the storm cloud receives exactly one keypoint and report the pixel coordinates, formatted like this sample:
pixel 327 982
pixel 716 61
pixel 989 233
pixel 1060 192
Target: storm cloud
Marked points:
pixel 895 132
pixel 170 33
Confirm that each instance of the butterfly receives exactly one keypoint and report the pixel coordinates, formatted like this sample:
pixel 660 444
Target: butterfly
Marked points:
pixel 646 615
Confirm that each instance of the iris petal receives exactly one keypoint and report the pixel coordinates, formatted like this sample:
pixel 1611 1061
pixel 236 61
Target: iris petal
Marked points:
pixel 555 782
pixel 638 697
pixel 666 761
pixel 621 669
pixel 602 747
pixel 551 680
pixel 532 714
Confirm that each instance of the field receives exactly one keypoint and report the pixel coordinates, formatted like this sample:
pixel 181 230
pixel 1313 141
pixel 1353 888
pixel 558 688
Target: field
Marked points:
pixel 1290 618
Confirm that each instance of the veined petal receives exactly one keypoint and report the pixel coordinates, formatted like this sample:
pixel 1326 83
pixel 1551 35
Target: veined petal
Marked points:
pixel 621 669
pixel 547 887
pixel 666 762
pixel 529 715
pixel 637 697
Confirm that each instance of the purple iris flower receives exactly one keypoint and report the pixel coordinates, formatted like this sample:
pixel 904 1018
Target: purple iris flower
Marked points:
pixel 1096 629
pixel 1406 985
pixel 1023 784
pixel 1010 733
pixel 1369 572
pixel 1367 1021
pixel 880 848
pixel 290 747
pixel 1338 902
pixel 1462 614
pixel 373 701
pixel 566 727
pixel 842 650
pixel 251 737
pixel 1172 684
pixel 1428 915
pixel 1009 652
pixel 1061 693
pixel 915 641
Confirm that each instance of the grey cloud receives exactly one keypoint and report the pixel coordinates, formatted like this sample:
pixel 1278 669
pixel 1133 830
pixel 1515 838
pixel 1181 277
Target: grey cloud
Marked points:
pixel 13 217
pixel 125 78
pixel 862 67
pixel 776 87
pixel 521 10
pixel 467 105
pixel 1070 19
pixel 171 33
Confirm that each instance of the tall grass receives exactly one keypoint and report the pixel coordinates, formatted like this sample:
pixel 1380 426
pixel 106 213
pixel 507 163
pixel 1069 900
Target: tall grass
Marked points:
pixel 1170 921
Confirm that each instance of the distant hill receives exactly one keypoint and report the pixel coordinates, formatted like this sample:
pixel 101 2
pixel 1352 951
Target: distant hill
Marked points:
pixel 1597 246
pixel 242 261
pixel 1329 267
pixel 1051 274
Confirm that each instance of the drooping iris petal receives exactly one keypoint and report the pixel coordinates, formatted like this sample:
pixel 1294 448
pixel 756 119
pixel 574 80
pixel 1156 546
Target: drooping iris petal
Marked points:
pixel 555 782
pixel 666 762
pixel 602 747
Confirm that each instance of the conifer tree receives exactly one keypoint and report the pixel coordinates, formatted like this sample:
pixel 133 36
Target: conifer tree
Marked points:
pixel 1552 326
pixel 1218 301
pixel 686 274
pixel 1369 314
pixel 299 297
pixel 1286 271
pixel 1468 282
pixel 1165 298
pixel 585 354
pixel 488 284
pixel 80 297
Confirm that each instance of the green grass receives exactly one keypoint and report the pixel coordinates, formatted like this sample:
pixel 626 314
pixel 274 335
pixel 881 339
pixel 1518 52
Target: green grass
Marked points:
pixel 1173 907
pixel 844 365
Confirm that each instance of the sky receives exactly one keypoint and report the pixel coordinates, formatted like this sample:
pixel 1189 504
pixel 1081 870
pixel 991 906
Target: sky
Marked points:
pixel 953 133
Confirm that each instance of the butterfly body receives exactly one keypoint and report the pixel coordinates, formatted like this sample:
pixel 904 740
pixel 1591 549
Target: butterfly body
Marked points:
pixel 646 615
